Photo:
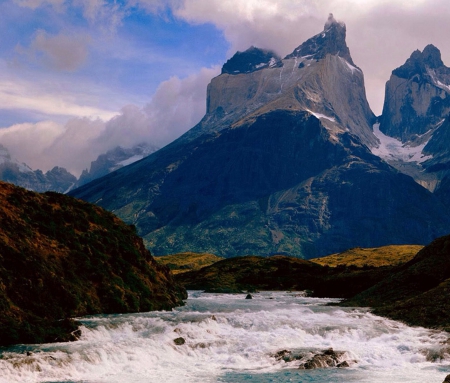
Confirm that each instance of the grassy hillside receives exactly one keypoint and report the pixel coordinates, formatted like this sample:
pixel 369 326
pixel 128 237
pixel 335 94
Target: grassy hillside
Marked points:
pixel 62 258
pixel 183 262
pixel 418 291
pixel 379 256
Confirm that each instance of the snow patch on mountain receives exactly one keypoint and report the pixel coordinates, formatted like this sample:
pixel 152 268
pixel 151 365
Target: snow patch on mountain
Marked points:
pixel 130 160
pixel 320 115
pixel 436 81
pixel 392 149
pixel 5 158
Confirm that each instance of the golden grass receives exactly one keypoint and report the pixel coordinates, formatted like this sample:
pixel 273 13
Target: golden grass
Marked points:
pixel 379 256
pixel 182 262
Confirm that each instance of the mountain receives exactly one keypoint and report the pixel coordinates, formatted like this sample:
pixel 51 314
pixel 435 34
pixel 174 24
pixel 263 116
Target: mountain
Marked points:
pixel 279 164
pixel 413 130
pixel 61 258
pixel 58 179
pixel 114 159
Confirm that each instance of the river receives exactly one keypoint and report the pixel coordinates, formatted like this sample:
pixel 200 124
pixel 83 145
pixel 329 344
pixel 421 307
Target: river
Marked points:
pixel 232 339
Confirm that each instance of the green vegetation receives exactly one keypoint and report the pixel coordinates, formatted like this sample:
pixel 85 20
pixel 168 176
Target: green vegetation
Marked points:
pixel 392 255
pixel 183 262
pixel 61 258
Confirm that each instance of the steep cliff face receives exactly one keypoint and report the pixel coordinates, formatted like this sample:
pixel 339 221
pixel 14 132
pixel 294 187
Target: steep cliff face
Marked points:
pixel 413 130
pixel 417 96
pixel 319 77
pixel 62 258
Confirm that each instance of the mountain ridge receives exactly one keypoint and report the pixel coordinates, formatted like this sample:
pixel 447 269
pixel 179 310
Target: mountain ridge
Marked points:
pixel 279 164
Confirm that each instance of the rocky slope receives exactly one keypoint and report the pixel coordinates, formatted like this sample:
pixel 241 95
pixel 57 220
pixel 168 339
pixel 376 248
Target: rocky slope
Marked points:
pixel 418 292
pixel 114 159
pixel 311 78
pixel 62 258
pixel 279 164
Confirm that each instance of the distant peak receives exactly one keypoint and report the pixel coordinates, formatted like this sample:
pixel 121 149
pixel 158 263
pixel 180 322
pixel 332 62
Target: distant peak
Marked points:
pixel 330 41
pixel 419 61
pixel 251 60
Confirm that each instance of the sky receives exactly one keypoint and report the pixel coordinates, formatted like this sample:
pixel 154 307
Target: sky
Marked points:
pixel 79 77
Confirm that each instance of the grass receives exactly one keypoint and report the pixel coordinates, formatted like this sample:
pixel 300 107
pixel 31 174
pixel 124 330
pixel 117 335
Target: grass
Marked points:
pixel 392 255
pixel 183 262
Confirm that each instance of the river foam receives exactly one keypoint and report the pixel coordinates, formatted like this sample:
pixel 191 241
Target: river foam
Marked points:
pixel 231 339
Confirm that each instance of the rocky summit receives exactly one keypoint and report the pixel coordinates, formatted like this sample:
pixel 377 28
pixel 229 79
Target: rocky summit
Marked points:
pixel 281 163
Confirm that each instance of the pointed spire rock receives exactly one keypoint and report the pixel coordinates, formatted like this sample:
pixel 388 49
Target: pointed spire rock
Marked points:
pixel 330 41
pixel 417 96
pixel 419 61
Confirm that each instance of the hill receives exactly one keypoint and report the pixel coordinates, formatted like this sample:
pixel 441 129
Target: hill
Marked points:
pixel 392 255
pixel 183 262
pixel 417 292
pixel 62 258
pixel 279 272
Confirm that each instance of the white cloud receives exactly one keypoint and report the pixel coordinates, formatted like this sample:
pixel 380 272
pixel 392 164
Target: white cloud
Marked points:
pixel 177 105
pixel 33 4
pixel 381 34
pixel 19 94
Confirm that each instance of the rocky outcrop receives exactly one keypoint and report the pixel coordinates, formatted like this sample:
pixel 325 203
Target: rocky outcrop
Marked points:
pixel 310 360
pixel 319 77
pixel 62 258
pixel 327 358
pixel 330 42
pixel 415 118
pixel 417 96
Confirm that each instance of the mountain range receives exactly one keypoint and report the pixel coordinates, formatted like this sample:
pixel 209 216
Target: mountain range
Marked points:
pixel 59 179
pixel 290 159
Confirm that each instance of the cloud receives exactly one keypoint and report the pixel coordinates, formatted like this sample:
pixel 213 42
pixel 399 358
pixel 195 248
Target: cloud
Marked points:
pixel 62 52
pixel 177 105
pixel 33 4
pixel 381 34
pixel 22 95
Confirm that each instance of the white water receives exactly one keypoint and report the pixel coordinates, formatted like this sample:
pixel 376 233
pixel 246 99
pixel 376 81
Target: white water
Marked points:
pixel 230 339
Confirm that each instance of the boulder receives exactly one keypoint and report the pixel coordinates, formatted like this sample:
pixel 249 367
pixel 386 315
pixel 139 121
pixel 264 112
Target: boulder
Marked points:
pixel 179 341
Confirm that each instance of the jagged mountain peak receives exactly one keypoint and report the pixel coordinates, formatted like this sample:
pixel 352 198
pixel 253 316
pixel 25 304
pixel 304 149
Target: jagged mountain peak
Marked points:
pixel 333 22
pixel 419 62
pixel 251 60
pixel 330 41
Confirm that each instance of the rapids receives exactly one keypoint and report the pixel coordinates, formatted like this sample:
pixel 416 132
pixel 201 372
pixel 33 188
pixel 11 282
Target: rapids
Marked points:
pixel 231 339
